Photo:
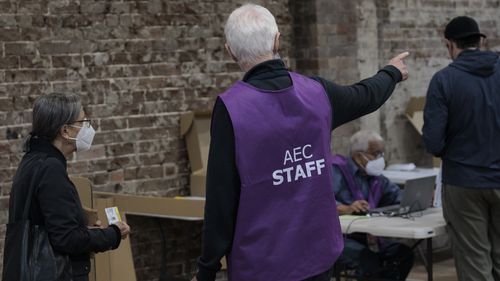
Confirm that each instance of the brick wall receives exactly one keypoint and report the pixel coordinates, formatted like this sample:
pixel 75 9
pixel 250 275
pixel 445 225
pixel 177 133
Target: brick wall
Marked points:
pixel 175 242
pixel 417 26
pixel 325 44
pixel 351 40
pixel 139 64
pixel 337 52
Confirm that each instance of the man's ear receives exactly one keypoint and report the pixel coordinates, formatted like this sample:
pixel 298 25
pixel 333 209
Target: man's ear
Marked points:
pixel 228 50
pixel 447 43
pixel 482 43
pixel 450 45
pixel 276 45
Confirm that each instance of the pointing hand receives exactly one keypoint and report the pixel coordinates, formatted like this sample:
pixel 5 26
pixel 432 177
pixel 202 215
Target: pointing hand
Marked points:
pixel 398 62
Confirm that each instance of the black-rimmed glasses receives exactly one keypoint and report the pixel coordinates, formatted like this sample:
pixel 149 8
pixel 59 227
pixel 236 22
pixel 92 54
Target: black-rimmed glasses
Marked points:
pixel 85 122
pixel 376 155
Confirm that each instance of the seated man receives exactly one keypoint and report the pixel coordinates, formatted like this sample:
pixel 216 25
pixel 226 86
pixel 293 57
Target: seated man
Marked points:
pixel 359 186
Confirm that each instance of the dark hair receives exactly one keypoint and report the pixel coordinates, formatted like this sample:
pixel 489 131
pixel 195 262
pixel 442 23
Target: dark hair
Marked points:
pixel 51 112
pixel 468 42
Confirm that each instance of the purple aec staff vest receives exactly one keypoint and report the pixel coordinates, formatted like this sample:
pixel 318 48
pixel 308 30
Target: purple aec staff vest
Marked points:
pixel 287 226
pixel 375 192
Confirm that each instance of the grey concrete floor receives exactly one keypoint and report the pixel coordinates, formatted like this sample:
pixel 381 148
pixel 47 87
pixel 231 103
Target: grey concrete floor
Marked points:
pixel 443 271
pixel 444 268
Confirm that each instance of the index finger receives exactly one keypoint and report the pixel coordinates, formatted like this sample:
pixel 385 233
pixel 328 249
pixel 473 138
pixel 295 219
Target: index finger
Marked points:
pixel 403 55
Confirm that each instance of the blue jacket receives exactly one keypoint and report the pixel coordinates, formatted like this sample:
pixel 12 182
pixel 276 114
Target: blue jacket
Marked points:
pixel 462 120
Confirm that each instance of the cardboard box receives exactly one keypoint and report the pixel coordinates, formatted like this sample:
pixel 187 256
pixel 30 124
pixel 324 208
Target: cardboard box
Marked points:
pixel 415 114
pixel 198 181
pixel 195 129
pixel 184 208
pixel 84 188
pixel 91 216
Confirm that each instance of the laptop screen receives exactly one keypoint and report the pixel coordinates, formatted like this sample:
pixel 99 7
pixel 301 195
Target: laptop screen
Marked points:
pixel 418 193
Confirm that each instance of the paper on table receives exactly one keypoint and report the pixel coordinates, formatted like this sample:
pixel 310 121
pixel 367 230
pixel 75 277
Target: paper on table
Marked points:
pixel 352 217
pixel 439 186
pixel 401 167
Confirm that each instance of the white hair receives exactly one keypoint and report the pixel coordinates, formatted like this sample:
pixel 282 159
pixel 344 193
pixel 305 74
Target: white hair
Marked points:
pixel 361 139
pixel 250 32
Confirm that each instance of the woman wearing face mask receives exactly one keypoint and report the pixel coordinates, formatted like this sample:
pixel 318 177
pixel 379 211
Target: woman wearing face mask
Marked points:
pixel 59 128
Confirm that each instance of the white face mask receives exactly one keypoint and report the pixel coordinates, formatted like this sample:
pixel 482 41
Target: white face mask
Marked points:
pixel 375 167
pixel 84 138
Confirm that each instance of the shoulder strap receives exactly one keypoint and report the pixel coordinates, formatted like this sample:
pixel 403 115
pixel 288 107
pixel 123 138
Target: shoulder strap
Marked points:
pixel 341 163
pixel 339 160
pixel 31 189
pixel 376 190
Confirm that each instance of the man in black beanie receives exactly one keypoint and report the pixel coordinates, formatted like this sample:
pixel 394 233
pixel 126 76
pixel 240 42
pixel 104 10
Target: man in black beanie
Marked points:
pixel 462 126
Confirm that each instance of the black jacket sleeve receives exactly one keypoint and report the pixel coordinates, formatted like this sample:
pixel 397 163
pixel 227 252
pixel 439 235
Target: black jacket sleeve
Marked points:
pixel 222 195
pixel 63 215
pixel 351 102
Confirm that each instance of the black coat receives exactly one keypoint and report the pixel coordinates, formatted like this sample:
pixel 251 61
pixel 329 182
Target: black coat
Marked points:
pixel 56 205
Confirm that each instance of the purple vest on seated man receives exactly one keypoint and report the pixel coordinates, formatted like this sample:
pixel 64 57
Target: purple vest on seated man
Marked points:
pixel 375 192
pixel 287 225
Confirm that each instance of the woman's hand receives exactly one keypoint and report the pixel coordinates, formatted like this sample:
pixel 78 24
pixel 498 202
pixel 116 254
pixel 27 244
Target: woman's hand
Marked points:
pixel 124 229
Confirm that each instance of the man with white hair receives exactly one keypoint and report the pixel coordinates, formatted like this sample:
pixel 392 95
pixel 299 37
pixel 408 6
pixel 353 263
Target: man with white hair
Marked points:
pixel 358 185
pixel 269 206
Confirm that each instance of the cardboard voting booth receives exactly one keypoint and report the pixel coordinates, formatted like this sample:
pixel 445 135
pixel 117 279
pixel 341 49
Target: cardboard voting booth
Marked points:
pixel 415 114
pixel 195 129
pixel 84 189
pixel 118 265
pixel 114 265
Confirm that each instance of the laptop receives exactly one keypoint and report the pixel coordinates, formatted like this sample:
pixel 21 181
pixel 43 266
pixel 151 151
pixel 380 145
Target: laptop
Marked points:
pixel 417 196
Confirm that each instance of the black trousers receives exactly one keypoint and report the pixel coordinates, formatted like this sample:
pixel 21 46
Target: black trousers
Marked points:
pixel 325 276
pixel 393 261
pixel 81 278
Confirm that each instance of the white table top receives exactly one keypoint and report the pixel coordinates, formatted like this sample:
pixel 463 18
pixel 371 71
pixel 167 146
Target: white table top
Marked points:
pixel 431 223
pixel 400 177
